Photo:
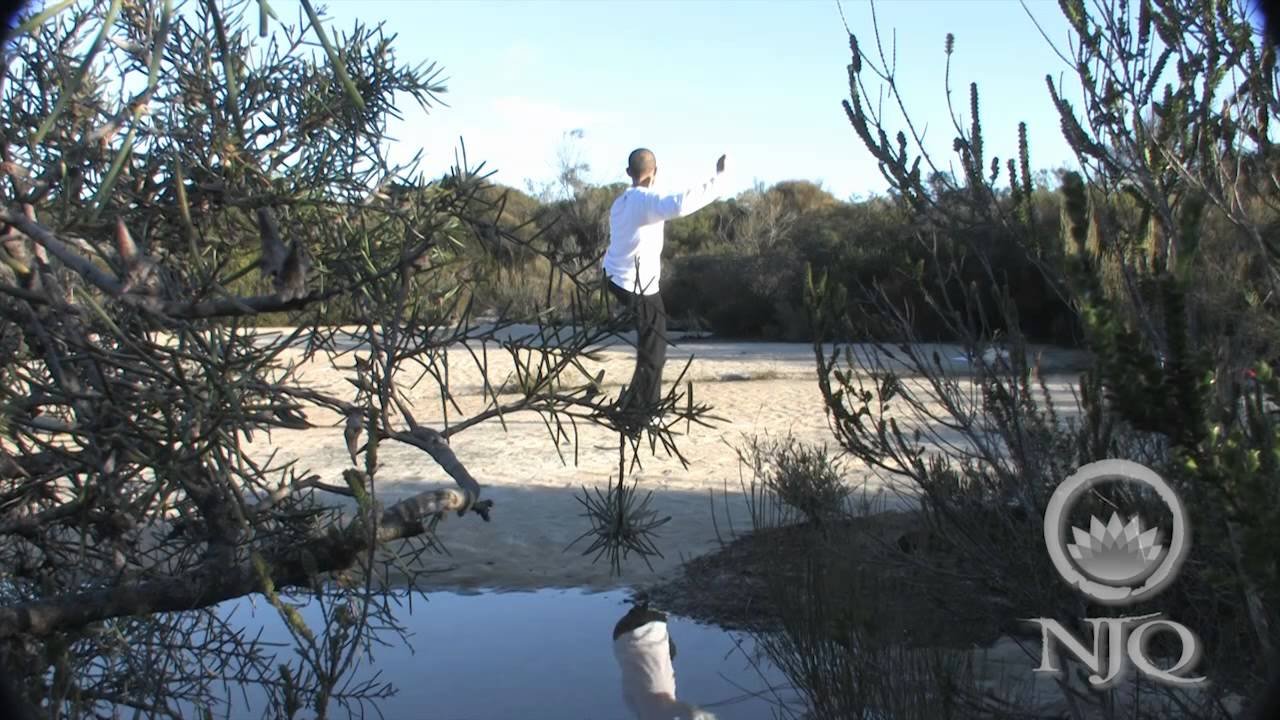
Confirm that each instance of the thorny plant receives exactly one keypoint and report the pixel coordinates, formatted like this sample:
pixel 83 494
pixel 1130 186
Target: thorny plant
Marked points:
pixel 172 174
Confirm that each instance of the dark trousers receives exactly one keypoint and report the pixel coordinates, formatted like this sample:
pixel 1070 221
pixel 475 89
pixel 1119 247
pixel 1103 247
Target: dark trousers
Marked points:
pixel 651 344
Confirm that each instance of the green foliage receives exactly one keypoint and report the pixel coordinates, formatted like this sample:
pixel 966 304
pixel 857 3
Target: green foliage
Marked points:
pixel 1161 246
pixel 742 289
pixel 171 179
pixel 622 522
pixel 1187 354
pixel 1217 416
pixel 807 479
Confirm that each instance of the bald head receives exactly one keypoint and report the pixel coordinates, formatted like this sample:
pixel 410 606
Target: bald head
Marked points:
pixel 641 165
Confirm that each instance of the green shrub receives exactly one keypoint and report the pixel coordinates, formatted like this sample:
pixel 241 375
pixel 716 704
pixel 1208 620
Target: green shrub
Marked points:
pixel 804 479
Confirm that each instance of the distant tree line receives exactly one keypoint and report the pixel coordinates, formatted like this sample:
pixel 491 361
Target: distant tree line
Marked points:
pixel 737 268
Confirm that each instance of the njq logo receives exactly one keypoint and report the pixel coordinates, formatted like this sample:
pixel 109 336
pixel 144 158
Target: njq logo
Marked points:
pixel 1117 562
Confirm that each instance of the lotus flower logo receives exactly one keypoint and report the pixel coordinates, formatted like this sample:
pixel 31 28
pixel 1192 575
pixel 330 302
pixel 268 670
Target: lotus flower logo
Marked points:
pixel 1117 562
pixel 1116 553
pixel 1114 562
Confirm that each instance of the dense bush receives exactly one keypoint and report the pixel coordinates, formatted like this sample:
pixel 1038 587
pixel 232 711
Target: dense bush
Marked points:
pixel 808 479
pixel 728 294
pixel 1168 262
pixel 867 246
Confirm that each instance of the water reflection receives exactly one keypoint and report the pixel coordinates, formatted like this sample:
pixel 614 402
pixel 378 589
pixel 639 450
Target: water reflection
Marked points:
pixel 529 655
pixel 646 655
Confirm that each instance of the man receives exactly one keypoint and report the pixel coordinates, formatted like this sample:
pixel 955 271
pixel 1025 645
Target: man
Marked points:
pixel 645 652
pixel 633 263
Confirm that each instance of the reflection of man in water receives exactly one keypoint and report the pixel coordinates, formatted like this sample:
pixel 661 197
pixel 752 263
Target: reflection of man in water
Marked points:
pixel 645 652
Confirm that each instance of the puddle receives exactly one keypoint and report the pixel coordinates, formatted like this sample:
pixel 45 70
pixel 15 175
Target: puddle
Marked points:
pixel 542 654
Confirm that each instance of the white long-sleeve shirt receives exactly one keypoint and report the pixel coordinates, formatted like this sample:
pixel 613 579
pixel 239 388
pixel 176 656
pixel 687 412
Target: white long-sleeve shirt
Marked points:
pixel 636 223
pixel 649 678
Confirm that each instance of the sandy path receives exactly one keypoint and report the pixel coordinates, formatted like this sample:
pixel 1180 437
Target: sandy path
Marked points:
pixel 758 388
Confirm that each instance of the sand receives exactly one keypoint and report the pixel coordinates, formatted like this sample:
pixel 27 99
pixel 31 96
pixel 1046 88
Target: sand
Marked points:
pixel 757 388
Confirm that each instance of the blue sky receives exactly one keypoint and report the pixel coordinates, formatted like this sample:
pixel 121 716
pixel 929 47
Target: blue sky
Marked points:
pixel 760 80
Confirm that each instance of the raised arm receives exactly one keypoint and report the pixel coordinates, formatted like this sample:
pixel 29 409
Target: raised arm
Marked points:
pixel 670 207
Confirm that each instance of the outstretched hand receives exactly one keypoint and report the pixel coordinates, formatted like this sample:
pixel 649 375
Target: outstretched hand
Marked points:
pixel 720 164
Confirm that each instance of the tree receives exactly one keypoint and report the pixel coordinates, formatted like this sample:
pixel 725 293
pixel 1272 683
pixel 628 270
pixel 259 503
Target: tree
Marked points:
pixel 763 221
pixel 1177 183
pixel 1178 101
pixel 575 211
pixel 171 178
pixel 802 196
